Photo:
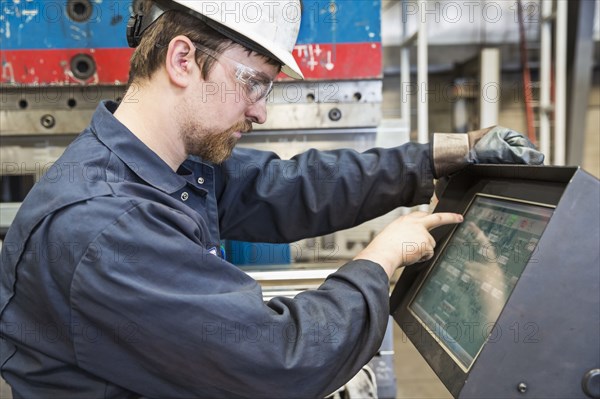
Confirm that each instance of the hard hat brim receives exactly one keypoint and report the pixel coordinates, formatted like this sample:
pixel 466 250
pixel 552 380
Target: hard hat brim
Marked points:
pixel 289 65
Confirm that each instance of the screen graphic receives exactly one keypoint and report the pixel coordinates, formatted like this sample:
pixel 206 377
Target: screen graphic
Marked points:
pixel 470 282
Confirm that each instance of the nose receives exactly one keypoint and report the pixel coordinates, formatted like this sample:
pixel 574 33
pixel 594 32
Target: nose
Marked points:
pixel 257 112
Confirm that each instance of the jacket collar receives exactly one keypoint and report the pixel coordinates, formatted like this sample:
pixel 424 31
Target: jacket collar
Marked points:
pixel 144 162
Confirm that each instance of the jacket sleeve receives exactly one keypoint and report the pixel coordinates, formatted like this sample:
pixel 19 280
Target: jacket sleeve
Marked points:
pixel 154 312
pixel 263 198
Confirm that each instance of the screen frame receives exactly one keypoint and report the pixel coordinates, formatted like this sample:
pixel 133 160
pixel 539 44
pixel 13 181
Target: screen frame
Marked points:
pixel 434 263
pixel 538 184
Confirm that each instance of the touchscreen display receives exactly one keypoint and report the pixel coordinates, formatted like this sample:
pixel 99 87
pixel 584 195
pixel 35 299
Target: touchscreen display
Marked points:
pixel 471 280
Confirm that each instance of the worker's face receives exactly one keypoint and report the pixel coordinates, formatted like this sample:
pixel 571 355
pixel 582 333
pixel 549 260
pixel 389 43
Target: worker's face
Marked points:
pixel 220 109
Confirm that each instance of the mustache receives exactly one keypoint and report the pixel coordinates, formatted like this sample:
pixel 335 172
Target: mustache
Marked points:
pixel 242 127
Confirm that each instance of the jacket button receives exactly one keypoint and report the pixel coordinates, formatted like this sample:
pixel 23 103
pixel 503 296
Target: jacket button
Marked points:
pixel 200 180
pixel 184 196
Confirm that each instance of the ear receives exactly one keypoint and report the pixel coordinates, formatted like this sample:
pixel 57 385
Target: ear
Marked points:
pixel 180 62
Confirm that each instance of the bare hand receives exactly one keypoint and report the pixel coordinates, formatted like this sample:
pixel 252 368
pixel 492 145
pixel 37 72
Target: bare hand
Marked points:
pixel 406 240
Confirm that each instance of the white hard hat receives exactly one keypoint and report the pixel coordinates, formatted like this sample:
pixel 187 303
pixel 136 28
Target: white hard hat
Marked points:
pixel 267 27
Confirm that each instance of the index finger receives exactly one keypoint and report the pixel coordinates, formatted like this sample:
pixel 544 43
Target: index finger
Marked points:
pixel 440 219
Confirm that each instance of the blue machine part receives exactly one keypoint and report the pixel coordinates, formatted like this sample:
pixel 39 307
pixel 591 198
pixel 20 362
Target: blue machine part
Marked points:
pixel 43 24
pixel 242 253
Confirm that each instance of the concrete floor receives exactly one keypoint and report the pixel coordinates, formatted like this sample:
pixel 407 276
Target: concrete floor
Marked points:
pixel 4 390
pixel 415 379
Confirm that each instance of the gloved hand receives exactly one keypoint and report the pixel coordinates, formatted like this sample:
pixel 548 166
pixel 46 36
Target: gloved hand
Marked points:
pixel 497 144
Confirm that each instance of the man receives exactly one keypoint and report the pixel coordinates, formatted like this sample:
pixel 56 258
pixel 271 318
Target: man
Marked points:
pixel 112 280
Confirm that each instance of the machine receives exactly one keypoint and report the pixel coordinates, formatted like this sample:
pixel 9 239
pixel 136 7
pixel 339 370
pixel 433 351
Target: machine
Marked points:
pixel 509 305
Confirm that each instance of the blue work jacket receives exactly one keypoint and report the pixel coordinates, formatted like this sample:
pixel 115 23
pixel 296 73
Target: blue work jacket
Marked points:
pixel 113 284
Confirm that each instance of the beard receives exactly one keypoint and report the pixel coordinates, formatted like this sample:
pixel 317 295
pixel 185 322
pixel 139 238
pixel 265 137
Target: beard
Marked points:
pixel 210 146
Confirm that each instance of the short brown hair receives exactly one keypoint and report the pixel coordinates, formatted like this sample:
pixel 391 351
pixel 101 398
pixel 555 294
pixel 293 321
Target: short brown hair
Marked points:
pixel 151 53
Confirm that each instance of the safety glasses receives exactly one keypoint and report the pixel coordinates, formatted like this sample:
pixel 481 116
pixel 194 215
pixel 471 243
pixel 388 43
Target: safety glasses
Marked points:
pixel 257 85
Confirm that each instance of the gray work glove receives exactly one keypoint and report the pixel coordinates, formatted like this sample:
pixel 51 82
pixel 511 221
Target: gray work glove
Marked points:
pixel 497 144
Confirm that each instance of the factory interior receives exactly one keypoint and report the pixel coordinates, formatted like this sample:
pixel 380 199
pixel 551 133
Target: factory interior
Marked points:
pixel 382 73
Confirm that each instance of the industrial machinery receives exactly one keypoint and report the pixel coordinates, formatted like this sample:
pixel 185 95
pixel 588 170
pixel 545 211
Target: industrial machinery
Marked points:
pixel 509 304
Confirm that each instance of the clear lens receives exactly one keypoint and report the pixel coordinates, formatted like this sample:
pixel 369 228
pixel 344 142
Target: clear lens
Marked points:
pixel 256 84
